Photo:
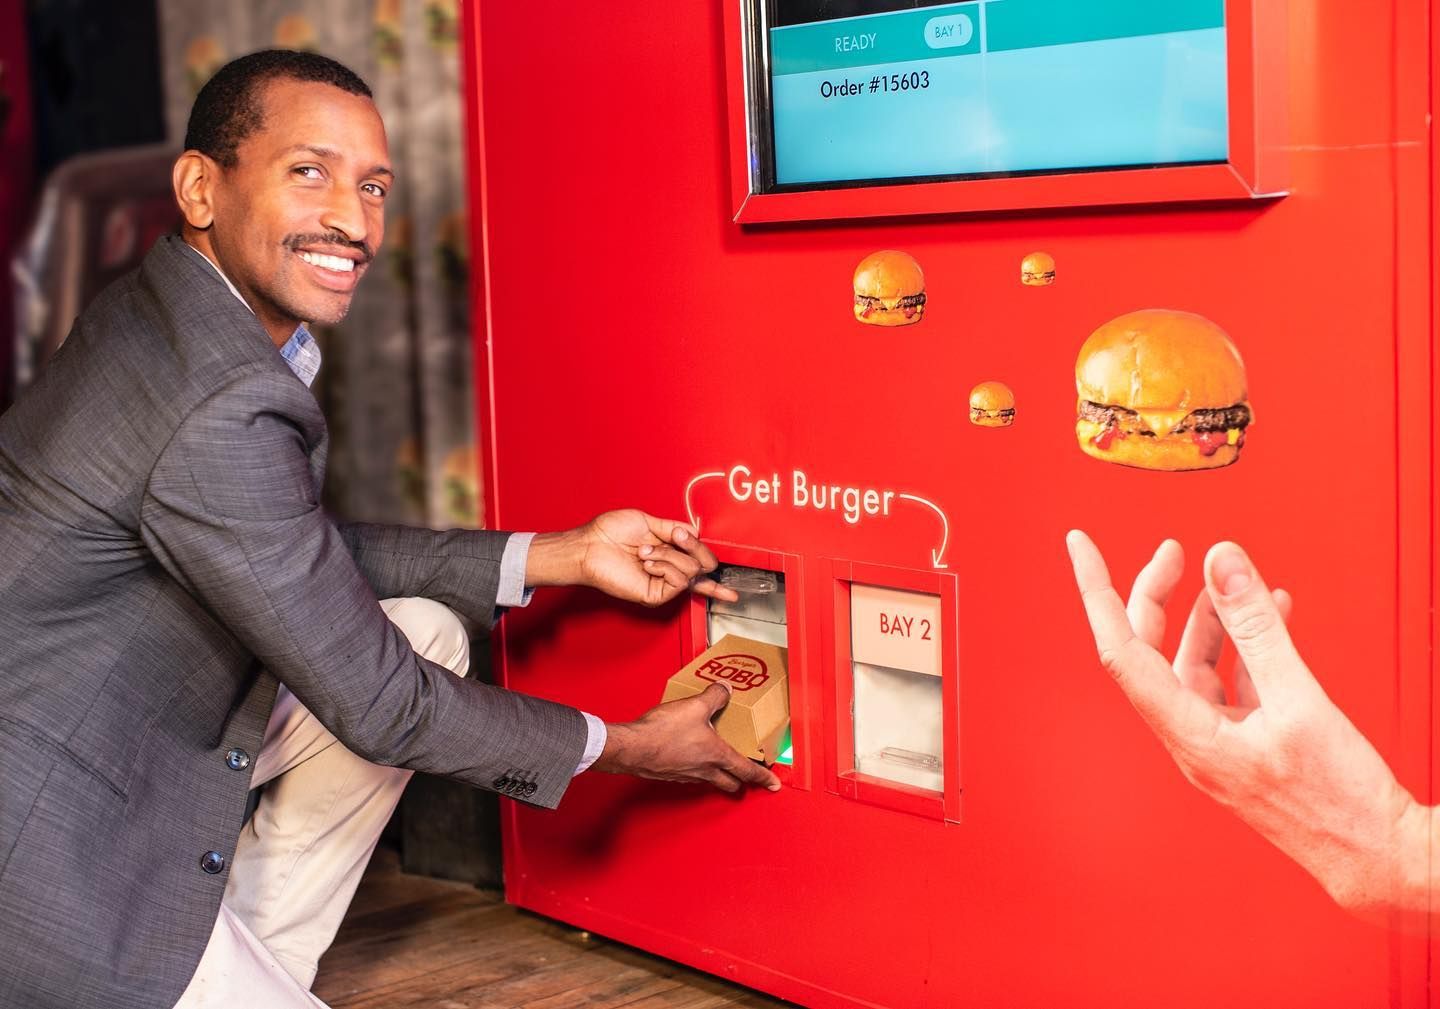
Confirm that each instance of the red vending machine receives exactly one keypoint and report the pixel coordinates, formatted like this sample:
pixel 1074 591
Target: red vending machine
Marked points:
pixel 753 261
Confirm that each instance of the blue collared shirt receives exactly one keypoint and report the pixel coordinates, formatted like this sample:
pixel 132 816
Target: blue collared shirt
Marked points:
pixel 302 357
pixel 302 354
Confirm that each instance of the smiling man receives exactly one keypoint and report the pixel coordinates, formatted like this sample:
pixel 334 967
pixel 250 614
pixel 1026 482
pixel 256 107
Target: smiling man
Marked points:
pixel 180 620
pixel 305 207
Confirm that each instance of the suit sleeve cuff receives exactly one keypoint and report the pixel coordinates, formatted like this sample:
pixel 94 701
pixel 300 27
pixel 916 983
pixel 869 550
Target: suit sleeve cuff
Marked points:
pixel 512 591
pixel 595 743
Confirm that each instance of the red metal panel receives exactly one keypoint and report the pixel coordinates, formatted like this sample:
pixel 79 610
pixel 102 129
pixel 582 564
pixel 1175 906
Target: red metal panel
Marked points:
pixel 638 338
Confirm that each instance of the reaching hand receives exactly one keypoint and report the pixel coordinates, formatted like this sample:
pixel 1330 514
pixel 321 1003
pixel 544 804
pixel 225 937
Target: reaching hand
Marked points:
pixel 676 742
pixel 643 559
pixel 1278 752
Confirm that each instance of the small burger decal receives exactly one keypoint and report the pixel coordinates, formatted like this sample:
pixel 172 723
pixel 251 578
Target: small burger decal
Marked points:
pixel 889 289
pixel 1037 270
pixel 992 404
pixel 1162 390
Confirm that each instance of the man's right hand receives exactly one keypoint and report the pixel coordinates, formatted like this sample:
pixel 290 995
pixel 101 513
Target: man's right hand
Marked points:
pixel 676 742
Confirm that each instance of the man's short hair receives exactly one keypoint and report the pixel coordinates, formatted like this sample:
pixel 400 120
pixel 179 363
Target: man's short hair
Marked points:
pixel 230 106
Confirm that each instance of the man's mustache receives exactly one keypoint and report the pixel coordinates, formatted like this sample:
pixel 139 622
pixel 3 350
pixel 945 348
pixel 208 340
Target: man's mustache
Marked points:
pixel 333 238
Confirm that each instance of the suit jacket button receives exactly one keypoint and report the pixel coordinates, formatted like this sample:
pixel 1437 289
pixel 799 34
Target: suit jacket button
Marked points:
pixel 530 788
pixel 212 862
pixel 237 759
pixel 501 783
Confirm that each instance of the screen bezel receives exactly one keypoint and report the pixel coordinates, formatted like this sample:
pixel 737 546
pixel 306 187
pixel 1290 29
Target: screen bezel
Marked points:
pixel 1254 169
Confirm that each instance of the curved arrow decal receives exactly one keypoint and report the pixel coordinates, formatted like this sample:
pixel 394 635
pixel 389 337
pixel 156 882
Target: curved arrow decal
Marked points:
pixel 689 509
pixel 935 555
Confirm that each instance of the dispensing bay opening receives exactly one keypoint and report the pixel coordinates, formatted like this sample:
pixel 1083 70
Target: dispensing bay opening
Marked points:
pixel 898 700
pixel 759 615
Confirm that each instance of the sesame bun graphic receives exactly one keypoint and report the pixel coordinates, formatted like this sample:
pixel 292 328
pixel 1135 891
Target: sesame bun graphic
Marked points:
pixel 1161 389
pixel 992 404
pixel 889 289
pixel 1037 270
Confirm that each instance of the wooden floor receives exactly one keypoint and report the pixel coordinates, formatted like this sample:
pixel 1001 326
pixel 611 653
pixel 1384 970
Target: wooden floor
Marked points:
pixel 411 941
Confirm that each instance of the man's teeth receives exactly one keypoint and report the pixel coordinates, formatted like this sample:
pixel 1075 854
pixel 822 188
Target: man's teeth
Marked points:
pixel 339 263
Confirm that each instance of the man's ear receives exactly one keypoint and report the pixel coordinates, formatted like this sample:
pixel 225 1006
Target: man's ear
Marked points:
pixel 194 177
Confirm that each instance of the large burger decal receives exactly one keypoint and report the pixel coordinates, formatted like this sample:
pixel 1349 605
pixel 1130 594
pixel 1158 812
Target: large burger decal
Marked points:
pixel 889 289
pixel 1162 390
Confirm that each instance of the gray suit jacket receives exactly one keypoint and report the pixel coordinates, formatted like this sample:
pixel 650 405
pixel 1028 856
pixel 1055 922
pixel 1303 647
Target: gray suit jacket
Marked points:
pixel 163 562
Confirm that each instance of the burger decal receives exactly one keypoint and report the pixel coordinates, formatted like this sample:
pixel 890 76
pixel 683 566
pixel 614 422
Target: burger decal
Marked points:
pixel 889 289
pixel 1161 390
pixel 992 404
pixel 1037 270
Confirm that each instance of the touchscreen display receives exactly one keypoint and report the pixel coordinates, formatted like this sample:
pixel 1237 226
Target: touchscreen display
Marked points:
pixel 864 91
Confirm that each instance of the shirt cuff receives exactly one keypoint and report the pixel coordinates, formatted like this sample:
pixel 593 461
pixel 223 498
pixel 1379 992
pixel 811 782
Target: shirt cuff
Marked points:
pixel 595 744
pixel 512 590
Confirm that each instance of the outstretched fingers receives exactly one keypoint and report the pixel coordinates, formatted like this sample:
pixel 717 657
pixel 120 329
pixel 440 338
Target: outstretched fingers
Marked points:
pixel 1141 671
pixel 1254 620
pixel 1152 590
pixel 1245 694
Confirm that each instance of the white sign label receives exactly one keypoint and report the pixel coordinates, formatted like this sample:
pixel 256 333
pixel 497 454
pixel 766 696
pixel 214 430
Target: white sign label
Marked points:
pixel 895 628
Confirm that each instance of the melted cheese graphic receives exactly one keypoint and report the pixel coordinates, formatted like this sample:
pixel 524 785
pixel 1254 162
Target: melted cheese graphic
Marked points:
pixel 1162 422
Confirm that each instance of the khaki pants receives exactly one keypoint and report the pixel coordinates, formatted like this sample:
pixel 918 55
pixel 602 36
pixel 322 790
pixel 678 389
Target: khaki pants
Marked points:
pixel 300 858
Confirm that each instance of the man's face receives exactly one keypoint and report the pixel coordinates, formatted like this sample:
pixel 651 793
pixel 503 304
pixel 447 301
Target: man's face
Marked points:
pixel 300 216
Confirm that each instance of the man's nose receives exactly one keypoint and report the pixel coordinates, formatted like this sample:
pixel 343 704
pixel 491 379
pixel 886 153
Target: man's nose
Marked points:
pixel 344 211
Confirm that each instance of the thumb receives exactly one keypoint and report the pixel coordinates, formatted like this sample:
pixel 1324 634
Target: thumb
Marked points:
pixel 715 697
pixel 1253 621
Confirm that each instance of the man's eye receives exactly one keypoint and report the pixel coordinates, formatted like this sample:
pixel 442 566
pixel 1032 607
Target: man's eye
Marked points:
pixel 374 189
pixel 305 171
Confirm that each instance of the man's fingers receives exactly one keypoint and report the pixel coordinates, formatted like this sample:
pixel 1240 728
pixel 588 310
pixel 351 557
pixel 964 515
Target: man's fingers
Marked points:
pixel 673 577
pixel 1199 651
pixel 677 559
pixel 1144 675
pixel 686 538
pixel 713 589
pixel 1151 592
pixel 1108 621
pixel 1253 620
pixel 751 773
pixel 723 780
pixel 1245 695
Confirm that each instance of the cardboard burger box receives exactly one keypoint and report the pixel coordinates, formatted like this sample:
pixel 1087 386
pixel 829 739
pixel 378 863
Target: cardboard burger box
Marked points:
pixel 758 714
